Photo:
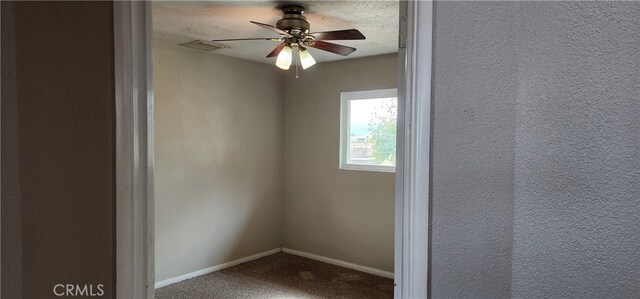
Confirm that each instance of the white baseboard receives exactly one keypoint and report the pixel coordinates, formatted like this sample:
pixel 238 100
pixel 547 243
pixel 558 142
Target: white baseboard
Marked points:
pixel 349 265
pixel 173 280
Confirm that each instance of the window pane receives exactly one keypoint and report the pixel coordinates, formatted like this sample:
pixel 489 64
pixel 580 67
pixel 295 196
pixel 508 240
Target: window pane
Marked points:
pixel 372 131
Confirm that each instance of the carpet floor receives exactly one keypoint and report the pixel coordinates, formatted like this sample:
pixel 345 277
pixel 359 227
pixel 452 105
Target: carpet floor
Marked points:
pixel 281 275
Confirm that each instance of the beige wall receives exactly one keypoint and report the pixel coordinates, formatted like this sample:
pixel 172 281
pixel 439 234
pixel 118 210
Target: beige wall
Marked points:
pixel 342 214
pixel 60 137
pixel 218 143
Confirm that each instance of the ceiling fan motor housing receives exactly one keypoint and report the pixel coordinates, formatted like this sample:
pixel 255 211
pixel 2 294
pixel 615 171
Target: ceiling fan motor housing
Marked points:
pixel 293 21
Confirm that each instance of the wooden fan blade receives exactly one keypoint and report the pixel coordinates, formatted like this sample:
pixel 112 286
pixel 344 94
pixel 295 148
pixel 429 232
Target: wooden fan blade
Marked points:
pixel 339 35
pixel 251 38
pixel 272 28
pixel 276 51
pixel 331 47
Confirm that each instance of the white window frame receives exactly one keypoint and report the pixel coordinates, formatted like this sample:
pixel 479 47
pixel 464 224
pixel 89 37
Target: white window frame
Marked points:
pixel 345 119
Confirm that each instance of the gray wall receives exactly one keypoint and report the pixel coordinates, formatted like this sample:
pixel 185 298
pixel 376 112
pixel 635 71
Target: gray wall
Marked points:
pixel 342 214
pixel 536 150
pixel 59 132
pixel 218 175
pixel 473 149
pixel 577 172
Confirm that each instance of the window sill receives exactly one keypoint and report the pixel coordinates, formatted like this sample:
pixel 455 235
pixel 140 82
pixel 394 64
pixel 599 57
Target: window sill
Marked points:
pixel 371 168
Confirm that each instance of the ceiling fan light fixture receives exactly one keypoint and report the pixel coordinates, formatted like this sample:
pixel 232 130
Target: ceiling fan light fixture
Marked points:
pixel 293 31
pixel 306 60
pixel 284 58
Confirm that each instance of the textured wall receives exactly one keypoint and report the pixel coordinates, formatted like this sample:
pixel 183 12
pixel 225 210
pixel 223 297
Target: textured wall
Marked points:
pixel 218 175
pixel 65 121
pixel 11 205
pixel 536 124
pixel 473 150
pixel 342 214
pixel 577 174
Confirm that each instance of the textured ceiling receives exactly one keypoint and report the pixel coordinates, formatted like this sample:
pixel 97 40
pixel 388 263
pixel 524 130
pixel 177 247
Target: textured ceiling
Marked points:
pixel 177 22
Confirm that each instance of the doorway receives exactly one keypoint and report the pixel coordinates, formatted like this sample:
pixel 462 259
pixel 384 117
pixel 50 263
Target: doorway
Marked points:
pixel 135 141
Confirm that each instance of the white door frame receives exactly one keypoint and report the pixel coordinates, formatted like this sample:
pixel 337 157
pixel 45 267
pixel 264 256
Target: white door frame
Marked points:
pixel 413 150
pixel 134 150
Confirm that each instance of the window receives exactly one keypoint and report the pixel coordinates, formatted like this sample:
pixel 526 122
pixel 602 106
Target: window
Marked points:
pixel 368 130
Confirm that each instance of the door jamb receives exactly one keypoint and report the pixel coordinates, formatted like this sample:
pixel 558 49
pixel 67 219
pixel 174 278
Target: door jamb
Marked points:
pixel 413 154
pixel 134 149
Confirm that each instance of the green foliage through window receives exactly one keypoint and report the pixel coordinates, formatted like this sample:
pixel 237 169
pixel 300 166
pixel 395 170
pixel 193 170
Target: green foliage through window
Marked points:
pixel 382 135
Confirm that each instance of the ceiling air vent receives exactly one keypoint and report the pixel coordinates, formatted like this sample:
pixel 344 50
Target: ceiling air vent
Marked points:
pixel 203 45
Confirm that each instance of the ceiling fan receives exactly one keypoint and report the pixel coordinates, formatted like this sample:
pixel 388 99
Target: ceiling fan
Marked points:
pixel 294 33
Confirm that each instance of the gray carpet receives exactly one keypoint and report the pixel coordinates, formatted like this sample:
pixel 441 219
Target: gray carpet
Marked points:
pixel 282 275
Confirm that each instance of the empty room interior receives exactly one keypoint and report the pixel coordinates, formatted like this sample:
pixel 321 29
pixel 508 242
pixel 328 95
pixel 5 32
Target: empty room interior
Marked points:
pixel 260 161
pixel 274 176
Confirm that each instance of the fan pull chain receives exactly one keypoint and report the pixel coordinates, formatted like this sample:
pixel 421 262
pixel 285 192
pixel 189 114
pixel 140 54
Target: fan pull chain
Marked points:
pixel 296 59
